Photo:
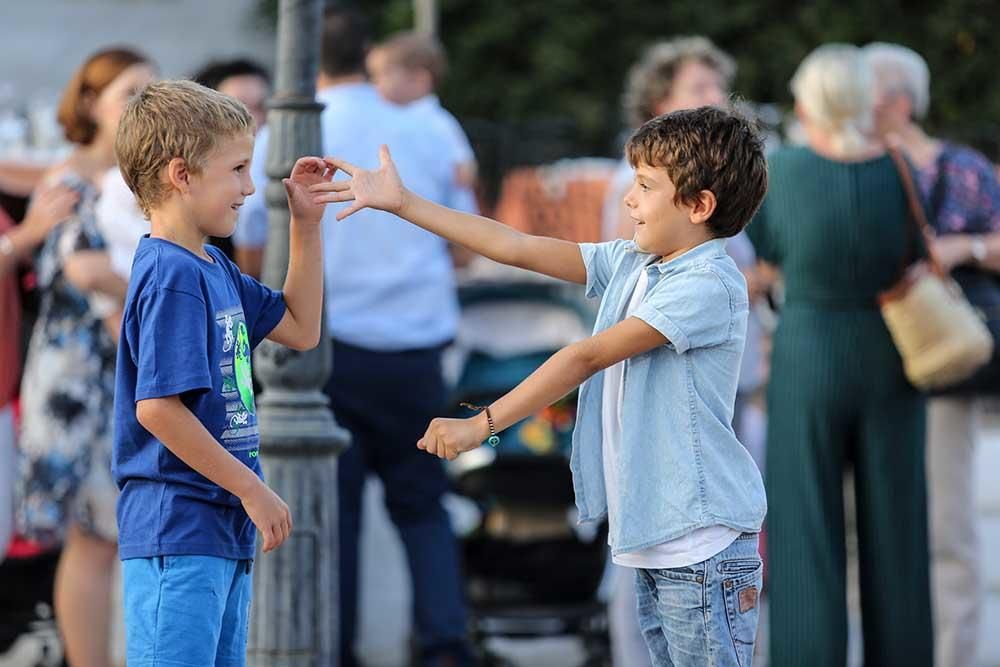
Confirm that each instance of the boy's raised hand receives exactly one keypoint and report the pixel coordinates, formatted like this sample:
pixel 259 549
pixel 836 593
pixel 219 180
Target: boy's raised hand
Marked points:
pixel 447 438
pixel 381 189
pixel 307 172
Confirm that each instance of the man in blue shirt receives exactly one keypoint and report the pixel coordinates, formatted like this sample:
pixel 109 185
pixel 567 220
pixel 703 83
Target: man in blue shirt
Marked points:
pixel 391 307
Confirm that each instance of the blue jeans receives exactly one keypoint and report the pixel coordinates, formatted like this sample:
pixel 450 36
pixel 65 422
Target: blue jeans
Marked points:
pixel 186 611
pixel 703 615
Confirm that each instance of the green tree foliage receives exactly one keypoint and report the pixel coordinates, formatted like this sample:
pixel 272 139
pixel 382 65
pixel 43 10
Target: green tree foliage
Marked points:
pixel 522 60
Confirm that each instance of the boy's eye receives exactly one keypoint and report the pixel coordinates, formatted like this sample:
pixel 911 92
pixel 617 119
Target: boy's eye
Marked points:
pixel 240 167
pixel 643 186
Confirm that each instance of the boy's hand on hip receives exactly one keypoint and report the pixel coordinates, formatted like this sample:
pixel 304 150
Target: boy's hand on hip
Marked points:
pixel 447 438
pixel 270 514
pixel 381 189
pixel 308 171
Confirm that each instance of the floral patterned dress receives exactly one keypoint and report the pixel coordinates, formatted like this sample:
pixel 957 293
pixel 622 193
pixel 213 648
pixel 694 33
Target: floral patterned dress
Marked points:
pixel 962 192
pixel 67 396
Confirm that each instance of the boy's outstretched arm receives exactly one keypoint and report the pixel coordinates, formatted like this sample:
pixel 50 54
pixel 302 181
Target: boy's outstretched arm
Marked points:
pixel 299 328
pixel 382 189
pixel 560 374
pixel 180 431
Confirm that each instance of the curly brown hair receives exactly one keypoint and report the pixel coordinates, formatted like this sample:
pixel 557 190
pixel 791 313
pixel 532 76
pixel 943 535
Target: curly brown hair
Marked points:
pixel 651 79
pixel 707 149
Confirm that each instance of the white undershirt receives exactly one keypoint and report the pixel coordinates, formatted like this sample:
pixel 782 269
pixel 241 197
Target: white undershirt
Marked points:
pixel 697 546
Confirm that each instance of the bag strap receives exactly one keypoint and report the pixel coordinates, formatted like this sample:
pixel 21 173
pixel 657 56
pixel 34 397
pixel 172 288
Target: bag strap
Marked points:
pixel 917 214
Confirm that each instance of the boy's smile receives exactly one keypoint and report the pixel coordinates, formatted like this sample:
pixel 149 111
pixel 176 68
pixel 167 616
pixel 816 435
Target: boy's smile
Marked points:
pixel 219 189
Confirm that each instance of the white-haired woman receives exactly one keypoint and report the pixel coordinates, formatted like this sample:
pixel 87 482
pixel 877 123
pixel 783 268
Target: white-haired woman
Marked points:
pixel 835 223
pixel 963 198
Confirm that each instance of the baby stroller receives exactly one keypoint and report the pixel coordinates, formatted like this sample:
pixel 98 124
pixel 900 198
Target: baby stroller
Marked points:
pixel 530 570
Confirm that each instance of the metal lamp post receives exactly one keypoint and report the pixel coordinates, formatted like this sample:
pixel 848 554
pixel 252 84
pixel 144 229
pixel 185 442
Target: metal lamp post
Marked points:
pixel 294 617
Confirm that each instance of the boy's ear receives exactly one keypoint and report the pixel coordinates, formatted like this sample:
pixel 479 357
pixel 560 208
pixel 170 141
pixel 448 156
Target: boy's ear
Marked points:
pixel 179 174
pixel 702 207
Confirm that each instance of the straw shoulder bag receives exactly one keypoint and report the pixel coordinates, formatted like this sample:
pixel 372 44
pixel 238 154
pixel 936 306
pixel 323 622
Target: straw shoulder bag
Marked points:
pixel 939 335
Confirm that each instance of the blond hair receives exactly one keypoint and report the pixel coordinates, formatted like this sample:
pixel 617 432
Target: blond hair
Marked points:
pixel 901 71
pixel 833 86
pixel 651 79
pixel 173 119
pixel 414 50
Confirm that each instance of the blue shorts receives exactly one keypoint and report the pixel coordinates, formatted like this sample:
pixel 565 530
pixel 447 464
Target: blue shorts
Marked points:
pixel 186 611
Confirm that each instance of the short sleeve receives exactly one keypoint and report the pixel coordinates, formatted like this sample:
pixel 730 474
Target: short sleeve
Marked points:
pixel 263 307
pixel 120 221
pixel 601 260
pixel 692 309
pixel 170 348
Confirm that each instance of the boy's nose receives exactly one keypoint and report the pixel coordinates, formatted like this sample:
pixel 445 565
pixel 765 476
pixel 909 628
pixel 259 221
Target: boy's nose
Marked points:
pixel 629 201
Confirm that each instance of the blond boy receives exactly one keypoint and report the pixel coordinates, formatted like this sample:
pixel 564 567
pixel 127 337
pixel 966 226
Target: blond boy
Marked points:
pixel 186 437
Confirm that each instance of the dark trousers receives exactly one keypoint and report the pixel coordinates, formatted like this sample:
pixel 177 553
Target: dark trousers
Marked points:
pixel 838 400
pixel 386 400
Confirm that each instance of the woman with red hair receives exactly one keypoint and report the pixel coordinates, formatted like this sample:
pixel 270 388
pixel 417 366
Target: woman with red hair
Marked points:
pixel 66 493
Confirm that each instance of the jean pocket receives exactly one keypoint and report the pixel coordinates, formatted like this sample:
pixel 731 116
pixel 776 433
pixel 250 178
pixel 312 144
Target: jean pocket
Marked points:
pixel 738 566
pixel 695 576
pixel 742 596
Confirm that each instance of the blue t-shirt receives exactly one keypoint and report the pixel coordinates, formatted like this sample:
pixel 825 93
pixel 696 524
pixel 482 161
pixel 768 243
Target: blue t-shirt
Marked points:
pixel 188 329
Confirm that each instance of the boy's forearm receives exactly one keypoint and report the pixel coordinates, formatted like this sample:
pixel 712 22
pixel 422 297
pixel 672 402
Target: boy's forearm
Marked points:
pixel 303 289
pixel 487 237
pixel 560 374
pixel 187 438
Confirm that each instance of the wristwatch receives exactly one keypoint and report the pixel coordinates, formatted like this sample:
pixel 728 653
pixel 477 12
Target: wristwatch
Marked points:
pixel 6 245
pixel 978 249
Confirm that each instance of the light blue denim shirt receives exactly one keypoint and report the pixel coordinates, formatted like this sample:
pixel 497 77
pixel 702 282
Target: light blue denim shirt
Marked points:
pixel 681 466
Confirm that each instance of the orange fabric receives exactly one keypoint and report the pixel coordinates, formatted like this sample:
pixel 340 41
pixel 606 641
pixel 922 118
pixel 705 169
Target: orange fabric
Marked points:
pixel 569 210
pixel 10 327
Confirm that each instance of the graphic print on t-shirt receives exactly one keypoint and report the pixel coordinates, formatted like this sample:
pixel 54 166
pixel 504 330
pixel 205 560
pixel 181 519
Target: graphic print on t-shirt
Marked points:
pixel 237 385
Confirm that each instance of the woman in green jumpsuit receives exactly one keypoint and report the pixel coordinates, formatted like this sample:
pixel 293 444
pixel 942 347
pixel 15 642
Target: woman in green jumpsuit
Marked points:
pixel 835 223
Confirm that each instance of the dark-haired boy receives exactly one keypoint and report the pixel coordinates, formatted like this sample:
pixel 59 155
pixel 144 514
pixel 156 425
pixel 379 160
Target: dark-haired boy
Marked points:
pixel 654 447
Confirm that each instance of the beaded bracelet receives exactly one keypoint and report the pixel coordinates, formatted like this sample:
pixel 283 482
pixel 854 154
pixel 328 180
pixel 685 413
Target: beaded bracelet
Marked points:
pixel 494 439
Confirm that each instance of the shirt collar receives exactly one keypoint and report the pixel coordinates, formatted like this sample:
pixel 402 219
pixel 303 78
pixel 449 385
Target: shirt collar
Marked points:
pixel 708 249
